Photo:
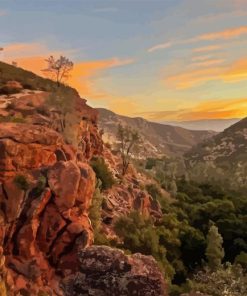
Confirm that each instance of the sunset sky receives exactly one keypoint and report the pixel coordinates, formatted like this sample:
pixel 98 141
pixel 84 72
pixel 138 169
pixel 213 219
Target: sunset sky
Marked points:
pixel 160 59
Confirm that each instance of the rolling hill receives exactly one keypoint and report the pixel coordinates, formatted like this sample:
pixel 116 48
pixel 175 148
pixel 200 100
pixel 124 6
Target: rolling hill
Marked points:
pixel 158 139
pixel 223 156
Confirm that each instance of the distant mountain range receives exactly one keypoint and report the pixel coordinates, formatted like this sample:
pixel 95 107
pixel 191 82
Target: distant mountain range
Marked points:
pixel 217 125
pixel 223 156
pixel 158 139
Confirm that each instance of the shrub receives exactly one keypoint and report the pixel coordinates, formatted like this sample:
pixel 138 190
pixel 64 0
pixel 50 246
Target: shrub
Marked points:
pixel 21 182
pixel 139 235
pixel 154 191
pixel 151 162
pixel 41 184
pixel 95 216
pixel 102 172
pixel 242 260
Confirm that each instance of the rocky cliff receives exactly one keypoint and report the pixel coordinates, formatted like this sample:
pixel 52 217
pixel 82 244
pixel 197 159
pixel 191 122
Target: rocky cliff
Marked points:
pixel 46 187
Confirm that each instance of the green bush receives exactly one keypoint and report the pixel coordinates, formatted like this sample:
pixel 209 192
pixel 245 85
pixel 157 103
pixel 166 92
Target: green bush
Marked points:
pixel 95 216
pixel 154 190
pixel 139 235
pixel 151 162
pixel 41 184
pixel 242 260
pixel 102 172
pixel 21 182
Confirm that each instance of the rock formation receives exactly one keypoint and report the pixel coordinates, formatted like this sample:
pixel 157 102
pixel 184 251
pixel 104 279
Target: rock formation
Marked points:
pixel 46 187
pixel 106 272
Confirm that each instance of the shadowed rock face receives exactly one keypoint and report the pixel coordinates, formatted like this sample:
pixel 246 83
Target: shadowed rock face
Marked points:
pixel 105 272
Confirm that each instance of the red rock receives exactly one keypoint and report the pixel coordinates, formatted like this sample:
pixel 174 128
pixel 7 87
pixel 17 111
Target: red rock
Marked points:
pixel 12 198
pixel 86 186
pixel 50 224
pixel 42 229
pixel 64 179
pixel 117 274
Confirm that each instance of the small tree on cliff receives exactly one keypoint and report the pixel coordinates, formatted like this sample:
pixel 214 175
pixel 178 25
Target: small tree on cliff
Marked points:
pixel 214 251
pixel 59 69
pixel 129 140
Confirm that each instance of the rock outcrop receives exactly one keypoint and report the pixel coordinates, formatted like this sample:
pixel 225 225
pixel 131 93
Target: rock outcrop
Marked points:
pixel 46 187
pixel 44 206
pixel 106 272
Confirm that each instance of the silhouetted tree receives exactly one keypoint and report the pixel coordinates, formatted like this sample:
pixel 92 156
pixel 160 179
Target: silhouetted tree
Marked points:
pixel 59 69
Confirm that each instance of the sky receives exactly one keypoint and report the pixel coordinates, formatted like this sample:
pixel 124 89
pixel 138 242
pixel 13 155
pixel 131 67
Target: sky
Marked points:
pixel 163 60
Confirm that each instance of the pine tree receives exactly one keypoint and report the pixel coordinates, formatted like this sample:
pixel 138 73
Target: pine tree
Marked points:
pixel 214 251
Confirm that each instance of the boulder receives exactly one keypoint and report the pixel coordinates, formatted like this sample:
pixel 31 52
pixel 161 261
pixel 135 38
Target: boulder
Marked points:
pixel 105 271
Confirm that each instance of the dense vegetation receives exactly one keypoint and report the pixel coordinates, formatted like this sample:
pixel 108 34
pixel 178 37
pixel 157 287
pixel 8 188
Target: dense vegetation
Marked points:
pixel 202 225
pixel 102 172
pixel 201 240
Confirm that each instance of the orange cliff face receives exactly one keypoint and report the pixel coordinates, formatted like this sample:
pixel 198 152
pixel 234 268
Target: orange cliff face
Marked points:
pixel 46 188
pixel 42 225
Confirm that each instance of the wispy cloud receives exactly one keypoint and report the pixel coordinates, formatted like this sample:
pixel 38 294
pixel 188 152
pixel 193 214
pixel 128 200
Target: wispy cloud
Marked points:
pixel 226 108
pixel 210 70
pixel 201 58
pixel 209 63
pixel 208 48
pixel 160 46
pixel 226 34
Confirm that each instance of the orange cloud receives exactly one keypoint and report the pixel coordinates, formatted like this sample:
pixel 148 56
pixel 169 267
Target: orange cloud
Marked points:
pixel 209 63
pixel 84 74
pixel 225 34
pixel 124 106
pixel 21 50
pixel 194 77
pixel 31 56
pixel 190 78
pixel 234 108
pixel 237 72
pixel 206 48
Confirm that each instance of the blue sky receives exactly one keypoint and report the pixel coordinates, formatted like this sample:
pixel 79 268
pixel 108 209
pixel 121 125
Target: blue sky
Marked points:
pixel 164 60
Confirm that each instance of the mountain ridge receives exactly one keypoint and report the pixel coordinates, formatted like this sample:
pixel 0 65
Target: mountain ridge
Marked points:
pixel 159 139
pixel 223 155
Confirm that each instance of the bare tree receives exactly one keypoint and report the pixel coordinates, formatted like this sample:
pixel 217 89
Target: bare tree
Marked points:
pixel 129 140
pixel 59 69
